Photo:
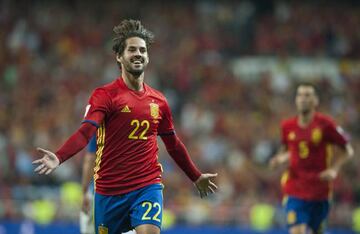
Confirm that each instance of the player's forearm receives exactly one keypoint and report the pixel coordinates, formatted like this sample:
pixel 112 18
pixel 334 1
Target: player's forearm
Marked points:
pixel 88 171
pixel 280 158
pixel 179 153
pixel 76 142
pixel 342 159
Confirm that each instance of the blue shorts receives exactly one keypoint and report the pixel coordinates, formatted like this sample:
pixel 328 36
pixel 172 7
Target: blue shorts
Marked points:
pixel 116 214
pixel 311 213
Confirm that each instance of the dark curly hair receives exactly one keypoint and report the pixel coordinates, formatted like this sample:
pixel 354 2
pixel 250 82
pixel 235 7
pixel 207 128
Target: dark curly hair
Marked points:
pixel 130 28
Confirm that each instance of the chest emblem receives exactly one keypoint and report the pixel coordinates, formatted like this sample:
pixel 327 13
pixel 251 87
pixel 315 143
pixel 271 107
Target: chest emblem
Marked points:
pixel 316 135
pixel 154 110
pixel 291 136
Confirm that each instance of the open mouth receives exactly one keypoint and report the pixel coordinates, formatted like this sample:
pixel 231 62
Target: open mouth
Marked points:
pixel 137 61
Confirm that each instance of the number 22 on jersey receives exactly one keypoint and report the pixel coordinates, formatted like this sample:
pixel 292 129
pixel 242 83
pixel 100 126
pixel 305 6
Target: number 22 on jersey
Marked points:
pixel 140 129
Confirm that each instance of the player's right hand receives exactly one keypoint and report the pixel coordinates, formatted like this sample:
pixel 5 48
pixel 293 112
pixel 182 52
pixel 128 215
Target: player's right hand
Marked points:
pixel 48 162
pixel 274 162
pixel 278 160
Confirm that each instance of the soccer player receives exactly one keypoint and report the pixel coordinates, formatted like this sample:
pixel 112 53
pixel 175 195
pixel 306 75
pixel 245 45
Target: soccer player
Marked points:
pixel 127 115
pixel 307 140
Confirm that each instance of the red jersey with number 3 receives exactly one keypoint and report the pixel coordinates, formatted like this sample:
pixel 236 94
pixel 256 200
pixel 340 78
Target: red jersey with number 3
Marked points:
pixel 310 154
pixel 127 151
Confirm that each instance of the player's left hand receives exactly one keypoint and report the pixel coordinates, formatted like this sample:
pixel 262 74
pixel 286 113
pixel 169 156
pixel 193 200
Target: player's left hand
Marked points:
pixel 328 174
pixel 205 185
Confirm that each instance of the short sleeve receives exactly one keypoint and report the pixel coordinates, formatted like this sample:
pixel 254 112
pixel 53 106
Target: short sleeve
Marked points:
pixel 335 134
pixel 166 126
pixel 98 107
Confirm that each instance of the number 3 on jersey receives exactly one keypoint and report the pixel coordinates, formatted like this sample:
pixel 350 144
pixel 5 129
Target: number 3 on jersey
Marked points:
pixel 137 133
pixel 303 149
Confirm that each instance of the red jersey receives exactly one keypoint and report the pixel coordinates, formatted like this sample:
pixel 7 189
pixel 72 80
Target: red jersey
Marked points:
pixel 310 152
pixel 127 151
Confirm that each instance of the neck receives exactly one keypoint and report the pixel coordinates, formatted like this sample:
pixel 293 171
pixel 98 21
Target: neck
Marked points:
pixel 305 118
pixel 133 82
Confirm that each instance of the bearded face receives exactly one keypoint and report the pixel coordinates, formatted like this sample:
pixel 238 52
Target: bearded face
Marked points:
pixel 135 56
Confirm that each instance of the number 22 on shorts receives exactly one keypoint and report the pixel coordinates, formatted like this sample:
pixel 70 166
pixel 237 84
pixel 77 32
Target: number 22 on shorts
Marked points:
pixel 149 206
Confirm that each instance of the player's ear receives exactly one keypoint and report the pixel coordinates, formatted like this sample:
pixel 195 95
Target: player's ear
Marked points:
pixel 118 58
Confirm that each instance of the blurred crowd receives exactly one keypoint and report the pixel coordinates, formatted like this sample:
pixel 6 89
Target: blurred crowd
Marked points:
pixel 53 54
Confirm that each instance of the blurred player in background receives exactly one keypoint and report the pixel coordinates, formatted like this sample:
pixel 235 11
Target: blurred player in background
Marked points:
pixel 128 115
pixel 87 184
pixel 307 142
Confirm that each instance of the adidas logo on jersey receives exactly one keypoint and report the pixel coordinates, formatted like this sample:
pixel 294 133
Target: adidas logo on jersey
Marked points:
pixel 126 109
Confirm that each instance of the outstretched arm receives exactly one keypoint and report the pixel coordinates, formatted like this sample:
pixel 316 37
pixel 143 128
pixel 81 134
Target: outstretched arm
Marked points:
pixel 178 152
pixel 50 161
